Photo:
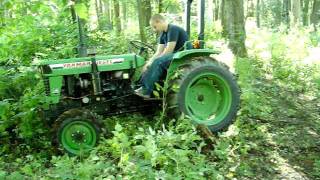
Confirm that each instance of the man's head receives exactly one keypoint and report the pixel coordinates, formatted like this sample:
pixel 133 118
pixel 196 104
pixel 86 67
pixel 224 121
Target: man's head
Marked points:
pixel 158 23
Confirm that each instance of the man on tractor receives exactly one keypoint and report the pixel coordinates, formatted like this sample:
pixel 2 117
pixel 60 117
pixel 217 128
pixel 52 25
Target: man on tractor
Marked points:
pixel 79 90
pixel 172 39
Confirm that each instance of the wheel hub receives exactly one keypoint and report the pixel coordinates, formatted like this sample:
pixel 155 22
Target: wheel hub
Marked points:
pixel 200 98
pixel 78 137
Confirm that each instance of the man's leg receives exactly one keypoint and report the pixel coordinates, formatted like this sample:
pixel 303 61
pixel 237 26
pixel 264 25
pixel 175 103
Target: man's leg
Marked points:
pixel 154 72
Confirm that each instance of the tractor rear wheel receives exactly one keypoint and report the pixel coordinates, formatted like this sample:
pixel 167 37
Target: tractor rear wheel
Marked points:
pixel 77 131
pixel 205 91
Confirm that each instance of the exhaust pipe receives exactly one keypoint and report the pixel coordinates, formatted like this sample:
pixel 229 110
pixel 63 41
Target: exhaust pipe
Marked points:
pixel 187 14
pixel 201 11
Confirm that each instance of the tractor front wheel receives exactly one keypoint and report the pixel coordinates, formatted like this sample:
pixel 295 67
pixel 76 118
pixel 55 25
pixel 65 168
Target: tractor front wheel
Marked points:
pixel 77 131
pixel 205 91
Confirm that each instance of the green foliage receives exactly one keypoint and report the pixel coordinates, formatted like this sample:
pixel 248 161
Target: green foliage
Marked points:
pixel 277 126
pixel 21 99
pixel 82 10
pixel 30 36
pixel 103 42
pixel 173 152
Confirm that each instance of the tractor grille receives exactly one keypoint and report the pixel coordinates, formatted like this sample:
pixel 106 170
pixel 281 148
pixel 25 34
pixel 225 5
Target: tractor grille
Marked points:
pixel 46 85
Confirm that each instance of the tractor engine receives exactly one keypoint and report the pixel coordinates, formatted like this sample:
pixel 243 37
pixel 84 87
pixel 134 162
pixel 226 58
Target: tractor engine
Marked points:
pixel 102 85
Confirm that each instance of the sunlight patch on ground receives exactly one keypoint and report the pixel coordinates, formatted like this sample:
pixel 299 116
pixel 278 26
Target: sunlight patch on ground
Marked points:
pixel 287 172
pixel 314 56
pixel 285 169
pixel 232 131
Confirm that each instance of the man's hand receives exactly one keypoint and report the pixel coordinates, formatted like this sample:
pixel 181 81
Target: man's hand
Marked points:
pixel 159 51
pixel 146 66
pixel 169 49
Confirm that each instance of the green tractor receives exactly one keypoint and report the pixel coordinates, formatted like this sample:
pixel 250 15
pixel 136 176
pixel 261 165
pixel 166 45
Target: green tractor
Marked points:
pixel 80 90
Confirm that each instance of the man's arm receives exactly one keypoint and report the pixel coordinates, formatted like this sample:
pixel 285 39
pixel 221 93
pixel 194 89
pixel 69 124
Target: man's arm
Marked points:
pixel 159 51
pixel 170 48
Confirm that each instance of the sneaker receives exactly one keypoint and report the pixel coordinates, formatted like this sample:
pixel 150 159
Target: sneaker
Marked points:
pixel 140 92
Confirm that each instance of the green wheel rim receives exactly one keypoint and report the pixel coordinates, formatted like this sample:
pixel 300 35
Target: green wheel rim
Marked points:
pixel 78 137
pixel 208 98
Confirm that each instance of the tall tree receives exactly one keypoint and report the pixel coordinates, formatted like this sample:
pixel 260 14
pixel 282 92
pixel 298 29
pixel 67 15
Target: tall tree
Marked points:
pixel 73 14
pixel 98 8
pixel 141 20
pixel 223 19
pixel 250 8
pixel 216 7
pixel 124 13
pixel 234 26
pixel 306 5
pixel 315 15
pixel 111 14
pixel 146 5
pixel 258 13
pixel 296 11
pixel 160 6
pixel 286 11
pixel 117 20
pixel 107 15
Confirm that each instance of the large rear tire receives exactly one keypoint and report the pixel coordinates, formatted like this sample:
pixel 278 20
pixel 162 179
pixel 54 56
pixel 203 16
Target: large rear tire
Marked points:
pixel 205 91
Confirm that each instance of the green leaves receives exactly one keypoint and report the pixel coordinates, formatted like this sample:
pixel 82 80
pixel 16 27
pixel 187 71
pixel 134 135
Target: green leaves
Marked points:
pixel 81 10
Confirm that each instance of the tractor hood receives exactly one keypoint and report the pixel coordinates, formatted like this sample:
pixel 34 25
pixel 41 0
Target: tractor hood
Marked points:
pixel 83 64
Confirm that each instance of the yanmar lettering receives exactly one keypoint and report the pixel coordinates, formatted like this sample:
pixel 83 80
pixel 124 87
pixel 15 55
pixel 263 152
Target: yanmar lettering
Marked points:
pixel 86 63
pixel 77 65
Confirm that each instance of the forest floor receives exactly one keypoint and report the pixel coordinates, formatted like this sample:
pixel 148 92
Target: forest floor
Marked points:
pixel 279 118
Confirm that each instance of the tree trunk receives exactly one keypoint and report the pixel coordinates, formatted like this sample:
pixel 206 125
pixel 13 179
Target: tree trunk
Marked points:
pixel 234 26
pixel 102 21
pixel 160 6
pixel 262 10
pixel 315 15
pixel 141 20
pixel 100 7
pixel 98 13
pixel 216 10
pixel 117 21
pixel 124 14
pixel 306 5
pixel 258 14
pixel 147 11
pixel 108 22
pixel 250 8
pixel 111 14
pixel 73 14
pixel 285 12
pixel 223 19
pixel 296 11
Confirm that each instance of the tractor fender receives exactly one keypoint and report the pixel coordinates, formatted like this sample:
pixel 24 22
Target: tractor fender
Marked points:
pixel 180 57
pixel 194 52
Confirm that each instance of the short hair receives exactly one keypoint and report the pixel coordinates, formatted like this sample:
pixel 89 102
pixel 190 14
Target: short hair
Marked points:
pixel 157 18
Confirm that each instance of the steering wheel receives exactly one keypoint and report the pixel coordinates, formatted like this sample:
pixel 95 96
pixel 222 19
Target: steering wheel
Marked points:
pixel 141 46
